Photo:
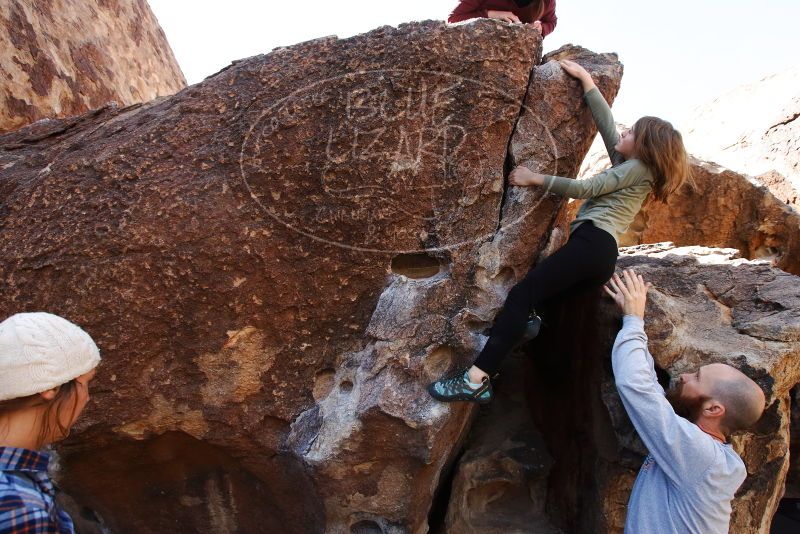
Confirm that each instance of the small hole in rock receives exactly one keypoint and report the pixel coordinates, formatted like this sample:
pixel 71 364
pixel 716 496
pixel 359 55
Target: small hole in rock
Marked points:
pixel 323 383
pixel 438 362
pixel 416 265
pixel 346 385
pixel 366 527
pixel 89 514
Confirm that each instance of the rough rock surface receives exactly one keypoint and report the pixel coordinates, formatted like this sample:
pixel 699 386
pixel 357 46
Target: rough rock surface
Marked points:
pixel 781 187
pixel 60 58
pixel 706 306
pixel 726 209
pixel 753 129
pixel 275 262
pixel 500 482
pixel 793 477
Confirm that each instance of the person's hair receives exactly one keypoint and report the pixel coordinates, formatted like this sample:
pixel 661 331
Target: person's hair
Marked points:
pixel 537 9
pixel 65 398
pixel 660 147
pixel 743 407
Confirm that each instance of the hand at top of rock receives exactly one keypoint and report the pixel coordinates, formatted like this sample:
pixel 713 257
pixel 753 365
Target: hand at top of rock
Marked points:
pixel 578 72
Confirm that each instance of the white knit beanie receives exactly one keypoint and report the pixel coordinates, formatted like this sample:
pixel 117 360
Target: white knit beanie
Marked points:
pixel 39 351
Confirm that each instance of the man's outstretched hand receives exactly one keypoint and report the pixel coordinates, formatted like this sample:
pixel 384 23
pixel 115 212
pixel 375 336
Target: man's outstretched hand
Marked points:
pixel 629 292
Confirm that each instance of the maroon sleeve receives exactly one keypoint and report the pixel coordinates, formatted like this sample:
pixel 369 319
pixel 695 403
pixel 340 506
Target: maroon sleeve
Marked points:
pixel 467 9
pixel 549 19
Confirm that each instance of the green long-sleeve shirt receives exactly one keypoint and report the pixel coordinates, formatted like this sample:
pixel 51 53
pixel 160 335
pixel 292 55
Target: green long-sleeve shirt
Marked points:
pixel 616 194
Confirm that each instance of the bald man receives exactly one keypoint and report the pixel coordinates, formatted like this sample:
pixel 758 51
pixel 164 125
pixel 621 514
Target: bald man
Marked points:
pixel 689 478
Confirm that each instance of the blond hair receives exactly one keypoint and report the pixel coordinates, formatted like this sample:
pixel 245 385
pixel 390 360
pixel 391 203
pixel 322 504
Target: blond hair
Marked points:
pixel 660 147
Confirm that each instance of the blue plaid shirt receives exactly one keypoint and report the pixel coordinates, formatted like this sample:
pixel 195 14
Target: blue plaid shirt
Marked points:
pixel 26 495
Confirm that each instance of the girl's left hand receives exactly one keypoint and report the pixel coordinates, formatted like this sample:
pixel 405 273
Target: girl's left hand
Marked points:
pixel 522 176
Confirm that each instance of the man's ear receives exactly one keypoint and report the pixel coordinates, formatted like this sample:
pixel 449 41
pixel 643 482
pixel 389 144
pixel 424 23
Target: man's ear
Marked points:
pixel 50 394
pixel 713 409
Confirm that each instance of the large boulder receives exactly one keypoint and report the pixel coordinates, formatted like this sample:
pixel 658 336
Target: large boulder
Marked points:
pixel 60 58
pixel 275 262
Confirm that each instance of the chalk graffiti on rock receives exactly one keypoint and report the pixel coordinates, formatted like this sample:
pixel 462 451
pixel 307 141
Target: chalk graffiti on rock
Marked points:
pixel 371 160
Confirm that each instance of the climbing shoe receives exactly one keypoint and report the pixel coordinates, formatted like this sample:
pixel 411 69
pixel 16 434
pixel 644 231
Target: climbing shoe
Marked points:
pixel 531 328
pixel 457 388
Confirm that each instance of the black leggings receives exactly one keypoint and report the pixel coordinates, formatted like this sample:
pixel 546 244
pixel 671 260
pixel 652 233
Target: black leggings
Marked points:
pixel 587 260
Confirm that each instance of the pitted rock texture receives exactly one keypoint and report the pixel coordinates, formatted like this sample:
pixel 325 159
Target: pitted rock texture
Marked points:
pixel 547 98
pixel 60 58
pixel 274 263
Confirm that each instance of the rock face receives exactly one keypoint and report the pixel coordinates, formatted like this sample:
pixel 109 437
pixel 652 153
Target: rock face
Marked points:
pixel 61 58
pixel 754 128
pixel 500 484
pixel 793 477
pixel 781 187
pixel 726 209
pixel 277 260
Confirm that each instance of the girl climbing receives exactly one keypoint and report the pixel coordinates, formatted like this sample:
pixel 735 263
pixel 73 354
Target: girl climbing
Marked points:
pixel 46 364
pixel 647 159
pixel 540 13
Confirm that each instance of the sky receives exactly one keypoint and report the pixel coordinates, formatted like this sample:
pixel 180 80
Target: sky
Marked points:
pixel 676 58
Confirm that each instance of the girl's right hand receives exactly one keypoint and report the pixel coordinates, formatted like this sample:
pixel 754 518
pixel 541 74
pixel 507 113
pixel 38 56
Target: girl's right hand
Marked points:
pixel 523 176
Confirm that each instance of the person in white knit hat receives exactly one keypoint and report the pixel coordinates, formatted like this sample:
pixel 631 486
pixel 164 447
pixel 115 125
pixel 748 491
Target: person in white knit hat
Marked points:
pixel 46 365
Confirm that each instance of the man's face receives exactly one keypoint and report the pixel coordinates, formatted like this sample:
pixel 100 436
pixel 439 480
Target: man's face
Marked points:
pixel 690 391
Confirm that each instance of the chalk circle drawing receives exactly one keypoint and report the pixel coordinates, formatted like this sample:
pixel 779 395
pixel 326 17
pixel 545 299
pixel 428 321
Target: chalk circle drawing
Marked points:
pixel 370 159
